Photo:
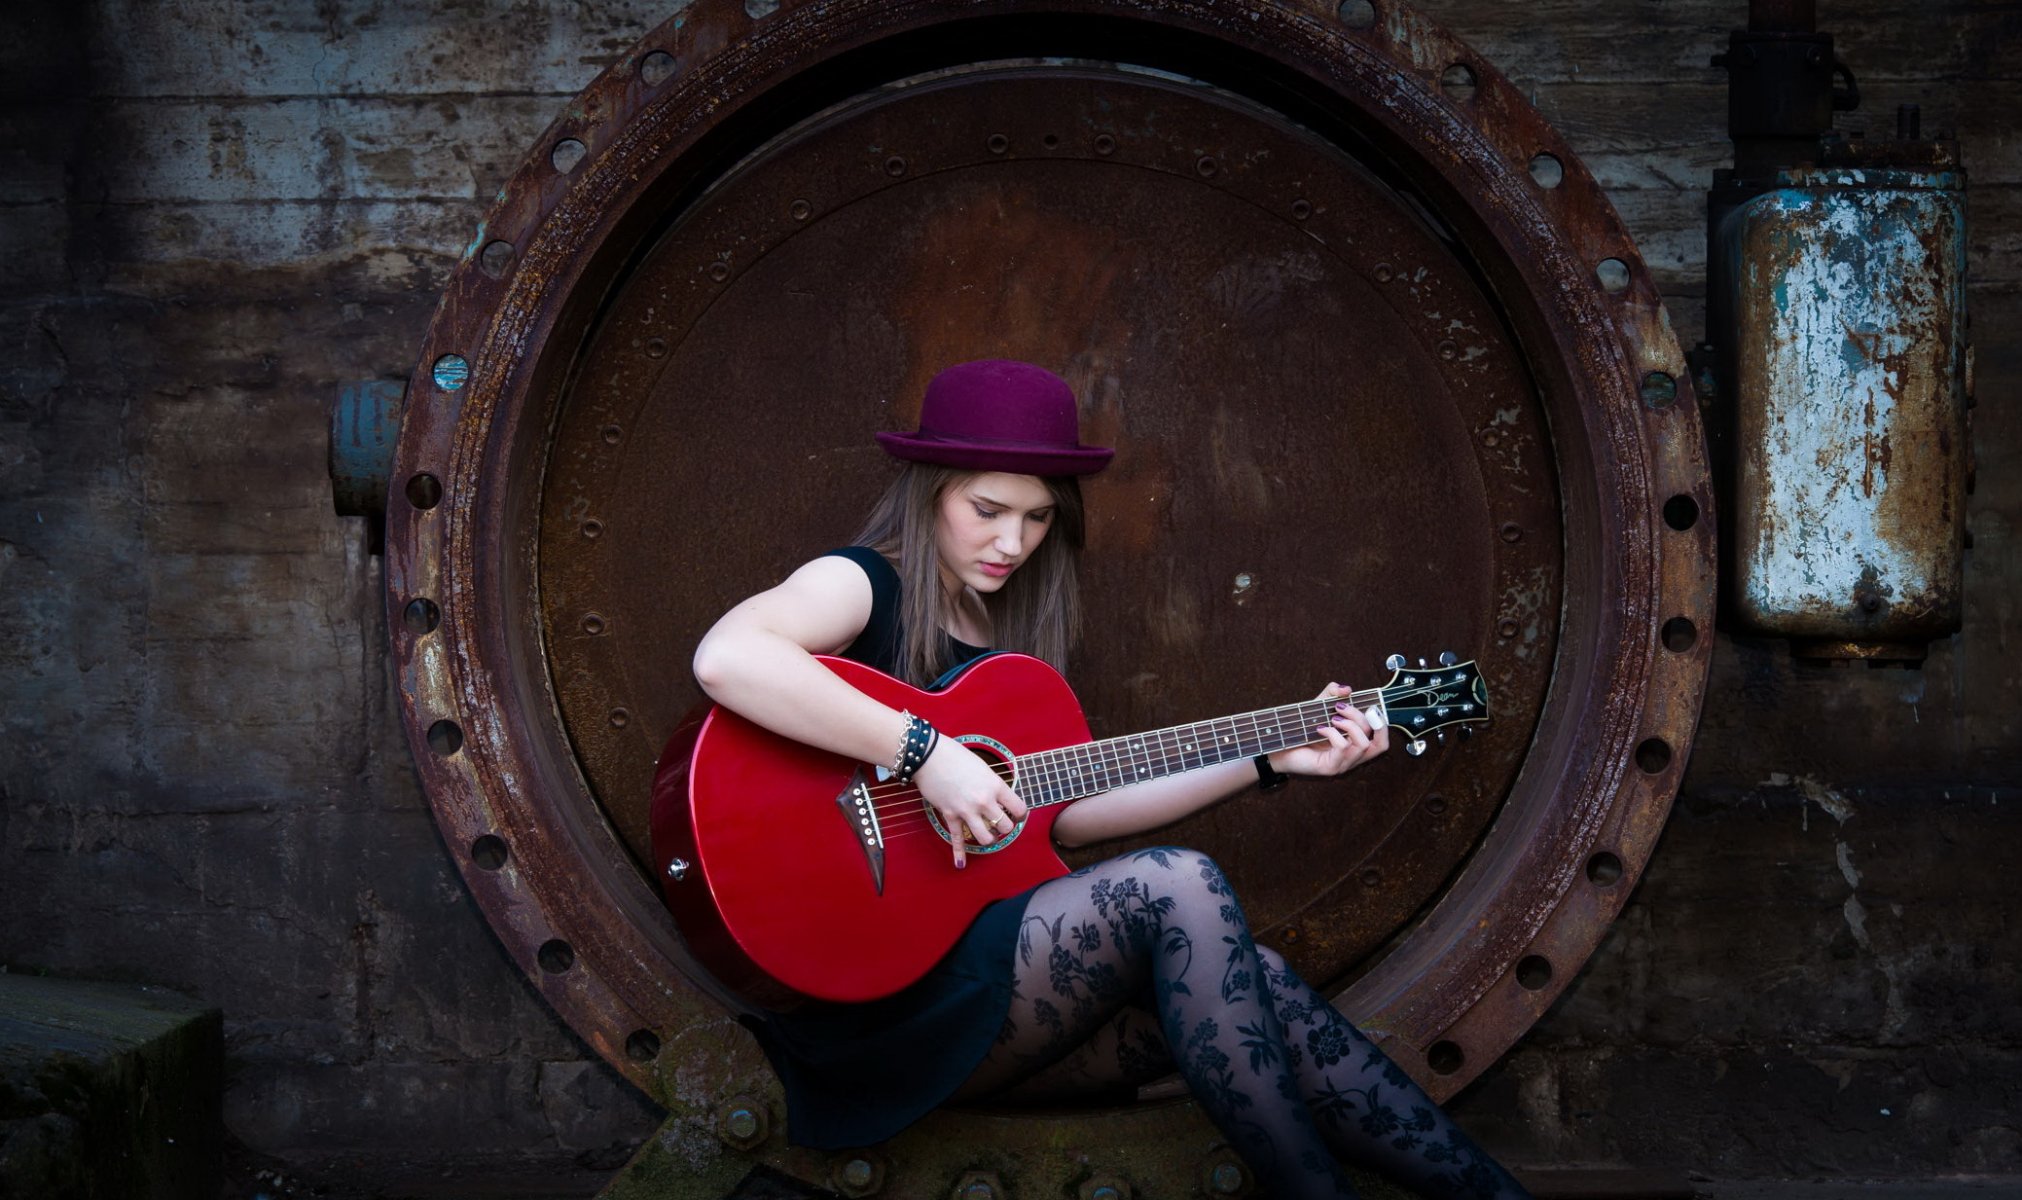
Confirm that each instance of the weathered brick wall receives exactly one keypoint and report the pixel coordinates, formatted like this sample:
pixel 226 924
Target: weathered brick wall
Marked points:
pixel 213 214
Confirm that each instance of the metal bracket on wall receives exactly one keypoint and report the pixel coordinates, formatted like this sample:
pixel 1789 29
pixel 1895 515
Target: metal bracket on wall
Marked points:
pixel 1836 324
pixel 364 434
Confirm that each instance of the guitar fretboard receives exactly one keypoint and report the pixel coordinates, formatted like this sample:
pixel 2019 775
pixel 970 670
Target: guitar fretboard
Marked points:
pixel 1071 772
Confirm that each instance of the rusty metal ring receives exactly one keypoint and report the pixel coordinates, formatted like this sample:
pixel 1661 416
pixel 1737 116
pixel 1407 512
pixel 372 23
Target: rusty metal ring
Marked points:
pixel 565 896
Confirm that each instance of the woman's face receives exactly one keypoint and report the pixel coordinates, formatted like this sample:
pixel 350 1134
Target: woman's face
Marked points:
pixel 989 525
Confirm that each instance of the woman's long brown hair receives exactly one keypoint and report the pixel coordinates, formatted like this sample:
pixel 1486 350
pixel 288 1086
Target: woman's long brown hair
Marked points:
pixel 1036 612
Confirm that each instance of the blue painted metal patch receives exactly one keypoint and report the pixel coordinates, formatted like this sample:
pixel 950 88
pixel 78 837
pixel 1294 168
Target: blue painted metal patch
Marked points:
pixel 364 430
pixel 1850 385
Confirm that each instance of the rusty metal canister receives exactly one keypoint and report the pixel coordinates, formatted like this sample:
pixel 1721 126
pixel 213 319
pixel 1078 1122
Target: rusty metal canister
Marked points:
pixel 1849 369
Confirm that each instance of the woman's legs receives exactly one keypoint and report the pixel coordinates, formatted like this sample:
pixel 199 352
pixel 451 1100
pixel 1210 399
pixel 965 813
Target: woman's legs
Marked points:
pixel 1369 1110
pixel 1161 929
pixel 1117 1059
pixel 1263 1054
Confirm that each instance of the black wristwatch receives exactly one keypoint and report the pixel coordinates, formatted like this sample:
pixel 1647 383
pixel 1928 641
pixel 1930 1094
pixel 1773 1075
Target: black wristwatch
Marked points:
pixel 1268 779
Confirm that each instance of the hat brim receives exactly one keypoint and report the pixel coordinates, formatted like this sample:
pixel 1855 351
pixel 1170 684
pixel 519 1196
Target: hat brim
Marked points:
pixel 1010 457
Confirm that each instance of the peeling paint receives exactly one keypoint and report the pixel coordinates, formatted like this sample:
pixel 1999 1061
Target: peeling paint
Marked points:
pixel 1894 966
pixel 1814 791
pixel 1849 504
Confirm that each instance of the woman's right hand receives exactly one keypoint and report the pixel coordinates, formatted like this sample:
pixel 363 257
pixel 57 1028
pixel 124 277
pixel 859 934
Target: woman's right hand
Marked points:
pixel 972 800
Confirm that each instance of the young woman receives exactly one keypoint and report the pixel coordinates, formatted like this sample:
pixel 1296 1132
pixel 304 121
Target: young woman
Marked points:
pixel 1107 978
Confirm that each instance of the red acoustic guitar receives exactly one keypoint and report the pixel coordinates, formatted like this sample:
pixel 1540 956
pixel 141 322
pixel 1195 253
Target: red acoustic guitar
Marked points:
pixel 797 873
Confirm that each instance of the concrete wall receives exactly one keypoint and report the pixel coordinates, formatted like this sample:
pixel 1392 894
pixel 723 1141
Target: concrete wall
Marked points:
pixel 213 214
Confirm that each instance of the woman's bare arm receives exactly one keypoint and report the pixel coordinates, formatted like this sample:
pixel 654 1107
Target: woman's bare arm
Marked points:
pixel 758 661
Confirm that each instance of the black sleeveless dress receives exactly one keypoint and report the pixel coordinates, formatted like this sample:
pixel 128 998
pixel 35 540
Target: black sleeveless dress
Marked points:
pixel 857 1074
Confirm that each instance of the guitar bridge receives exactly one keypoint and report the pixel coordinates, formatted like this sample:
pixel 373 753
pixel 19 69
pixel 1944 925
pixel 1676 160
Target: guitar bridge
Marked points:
pixel 862 815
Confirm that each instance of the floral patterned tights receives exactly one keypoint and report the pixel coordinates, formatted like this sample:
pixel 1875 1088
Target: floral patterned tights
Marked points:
pixel 1288 1080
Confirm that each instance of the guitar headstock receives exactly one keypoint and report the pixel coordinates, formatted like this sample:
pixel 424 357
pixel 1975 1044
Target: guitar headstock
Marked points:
pixel 1425 699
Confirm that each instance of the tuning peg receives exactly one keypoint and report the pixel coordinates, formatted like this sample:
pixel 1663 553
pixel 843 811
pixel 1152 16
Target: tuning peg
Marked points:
pixel 1415 747
pixel 1466 732
pixel 1395 662
pixel 1447 658
pixel 1441 735
pixel 1421 664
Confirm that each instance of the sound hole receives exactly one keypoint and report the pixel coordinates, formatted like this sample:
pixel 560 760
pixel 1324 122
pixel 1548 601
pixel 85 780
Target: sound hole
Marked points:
pixel 998 756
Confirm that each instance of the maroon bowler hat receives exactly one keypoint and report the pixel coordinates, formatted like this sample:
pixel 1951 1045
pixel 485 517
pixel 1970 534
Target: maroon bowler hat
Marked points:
pixel 999 415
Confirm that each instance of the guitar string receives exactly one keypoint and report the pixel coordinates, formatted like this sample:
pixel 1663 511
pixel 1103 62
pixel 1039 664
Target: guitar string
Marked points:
pixel 895 800
pixel 900 798
pixel 893 803
pixel 1141 755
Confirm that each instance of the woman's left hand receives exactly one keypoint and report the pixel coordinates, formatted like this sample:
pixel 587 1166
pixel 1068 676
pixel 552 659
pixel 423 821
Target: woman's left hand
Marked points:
pixel 1352 737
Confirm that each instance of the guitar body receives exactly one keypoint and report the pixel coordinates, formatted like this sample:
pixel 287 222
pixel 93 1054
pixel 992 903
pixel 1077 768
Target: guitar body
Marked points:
pixel 784 896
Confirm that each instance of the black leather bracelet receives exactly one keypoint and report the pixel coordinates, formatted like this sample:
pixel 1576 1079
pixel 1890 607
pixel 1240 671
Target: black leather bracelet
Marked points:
pixel 1269 779
pixel 915 745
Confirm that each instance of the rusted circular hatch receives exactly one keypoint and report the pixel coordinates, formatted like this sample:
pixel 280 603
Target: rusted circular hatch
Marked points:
pixel 1385 371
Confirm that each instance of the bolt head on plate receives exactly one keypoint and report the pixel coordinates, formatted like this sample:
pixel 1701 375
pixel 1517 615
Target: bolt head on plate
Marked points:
pixel 742 1123
pixel 858 1175
pixel 1223 1174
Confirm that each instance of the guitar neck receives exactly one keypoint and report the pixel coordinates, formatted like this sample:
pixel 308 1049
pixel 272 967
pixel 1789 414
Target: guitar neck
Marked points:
pixel 1071 772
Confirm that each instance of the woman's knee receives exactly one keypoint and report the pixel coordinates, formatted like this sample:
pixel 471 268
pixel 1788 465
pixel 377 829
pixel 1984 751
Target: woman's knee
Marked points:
pixel 1185 866
pixel 1274 962
pixel 1194 883
pixel 1179 861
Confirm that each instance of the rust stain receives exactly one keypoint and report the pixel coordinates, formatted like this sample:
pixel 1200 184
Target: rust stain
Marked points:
pixel 1850 321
